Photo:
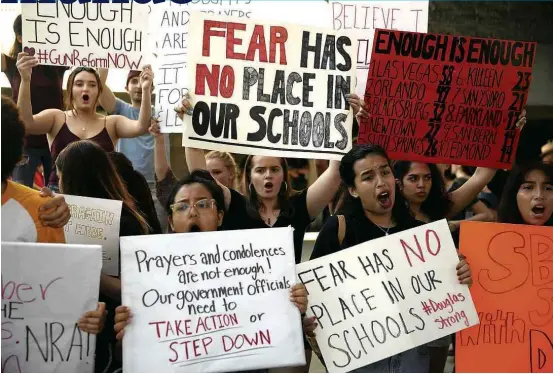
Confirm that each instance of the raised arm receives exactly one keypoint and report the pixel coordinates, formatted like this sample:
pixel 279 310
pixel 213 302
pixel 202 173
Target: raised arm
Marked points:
pixel 161 166
pixel 464 195
pixel 107 98
pixel 43 122
pixel 126 128
pixel 321 193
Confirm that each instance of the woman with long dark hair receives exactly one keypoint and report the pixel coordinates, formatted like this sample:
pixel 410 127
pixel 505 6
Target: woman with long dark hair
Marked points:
pixel 138 188
pixel 80 121
pixel 423 186
pixel 85 169
pixel 528 196
pixel 269 199
pixel 46 93
pixel 374 208
pixel 196 204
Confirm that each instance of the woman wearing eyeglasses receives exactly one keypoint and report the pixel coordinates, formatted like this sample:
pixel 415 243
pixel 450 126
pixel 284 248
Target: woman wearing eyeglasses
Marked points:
pixel 196 204
pixel 80 121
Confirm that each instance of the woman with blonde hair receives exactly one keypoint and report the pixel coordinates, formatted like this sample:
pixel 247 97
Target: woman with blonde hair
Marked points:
pixel 223 168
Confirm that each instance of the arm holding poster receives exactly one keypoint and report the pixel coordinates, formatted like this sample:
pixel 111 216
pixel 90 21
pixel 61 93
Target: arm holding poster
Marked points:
pixel 126 128
pixel 463 196
pixel 107 98
pixel 43 122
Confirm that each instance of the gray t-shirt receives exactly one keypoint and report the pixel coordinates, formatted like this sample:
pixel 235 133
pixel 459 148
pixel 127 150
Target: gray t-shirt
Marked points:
pixel 139 150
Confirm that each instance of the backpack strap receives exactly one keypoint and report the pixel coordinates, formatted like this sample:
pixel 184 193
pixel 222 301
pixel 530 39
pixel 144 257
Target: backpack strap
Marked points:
pixel 341 228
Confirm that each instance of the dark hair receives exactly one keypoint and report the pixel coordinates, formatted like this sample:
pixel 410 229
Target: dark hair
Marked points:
pixel 88 171
pixel 284 194
pixel 202 177
pixel 508 211
pixel 400 212
pixel 437 204
pixel 13 134
pixel 16 46
pixel 138 189
pixel 71 81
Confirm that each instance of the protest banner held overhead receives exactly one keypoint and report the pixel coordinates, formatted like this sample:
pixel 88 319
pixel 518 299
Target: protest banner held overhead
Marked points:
pixel 386 296
pixel 269 89
pixel 170 26
pixel 363 17
pixel 96 221
pixel 447 99
pixel 42 301
pixel 512 267
pixel 97 35
pixel 210 302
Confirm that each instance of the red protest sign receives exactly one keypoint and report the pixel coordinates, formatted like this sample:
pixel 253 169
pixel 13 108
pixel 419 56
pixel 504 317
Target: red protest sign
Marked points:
pixel 446 99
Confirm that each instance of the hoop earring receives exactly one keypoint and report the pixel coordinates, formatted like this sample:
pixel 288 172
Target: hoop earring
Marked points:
pixel 285 188
pixel 250 189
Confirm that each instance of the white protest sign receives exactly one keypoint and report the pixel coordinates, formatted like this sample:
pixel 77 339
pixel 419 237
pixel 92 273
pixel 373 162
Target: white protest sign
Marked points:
pixel 401 291
pixel 171 26
pixel 96 221
pixel 364 17
pixel 46 288
pixel 210 302
pixel 269 89
pixel 98 35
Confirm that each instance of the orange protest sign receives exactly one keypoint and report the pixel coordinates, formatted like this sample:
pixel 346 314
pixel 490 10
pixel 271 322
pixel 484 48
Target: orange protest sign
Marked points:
pixel 512 268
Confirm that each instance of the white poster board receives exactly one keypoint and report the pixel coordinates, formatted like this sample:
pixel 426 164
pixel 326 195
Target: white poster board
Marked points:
pixel 46 288
pixel 364 17
pixel 106 35
pixel 269 88
pixel 170 26
pixel 402 290
pixel 96 221
pixel 229 309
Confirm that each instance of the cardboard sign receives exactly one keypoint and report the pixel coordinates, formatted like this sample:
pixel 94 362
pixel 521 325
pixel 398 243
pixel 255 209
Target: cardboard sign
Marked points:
pixel 401 291
pixel 97 35
pixel 171 22
pixel 96 221
pixel 366 16
pixel 269 89
pixel 210 302
pixel 512 267
pixel 447 99
pixel 46 288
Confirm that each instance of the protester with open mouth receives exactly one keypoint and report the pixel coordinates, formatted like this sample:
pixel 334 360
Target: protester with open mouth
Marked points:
pixel 80 121
pixel 269 200
pixel 196 204
pixel 374 208
pixel 528 196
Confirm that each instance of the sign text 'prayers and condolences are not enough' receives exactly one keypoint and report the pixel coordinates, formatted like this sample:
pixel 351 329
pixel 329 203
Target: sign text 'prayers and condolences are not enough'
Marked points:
pixel 447 99
pixel 42 300
pixel 97 35
pixel 267 88
pixel 210 302
pixel 386 296
pixel 96 221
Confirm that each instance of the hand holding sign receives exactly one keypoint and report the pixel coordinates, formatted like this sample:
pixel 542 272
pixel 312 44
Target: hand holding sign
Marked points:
pixel 25 64
pixel 93 321
pixel 55 212
pixel 147 78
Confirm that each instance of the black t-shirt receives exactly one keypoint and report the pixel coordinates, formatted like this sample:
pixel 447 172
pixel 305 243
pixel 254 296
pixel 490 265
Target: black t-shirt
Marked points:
pixel 106 360
pixel 237 217
pixel 359 229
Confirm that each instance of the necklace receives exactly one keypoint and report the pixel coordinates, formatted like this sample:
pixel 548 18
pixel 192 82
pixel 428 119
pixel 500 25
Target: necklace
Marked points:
pixel 384 231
